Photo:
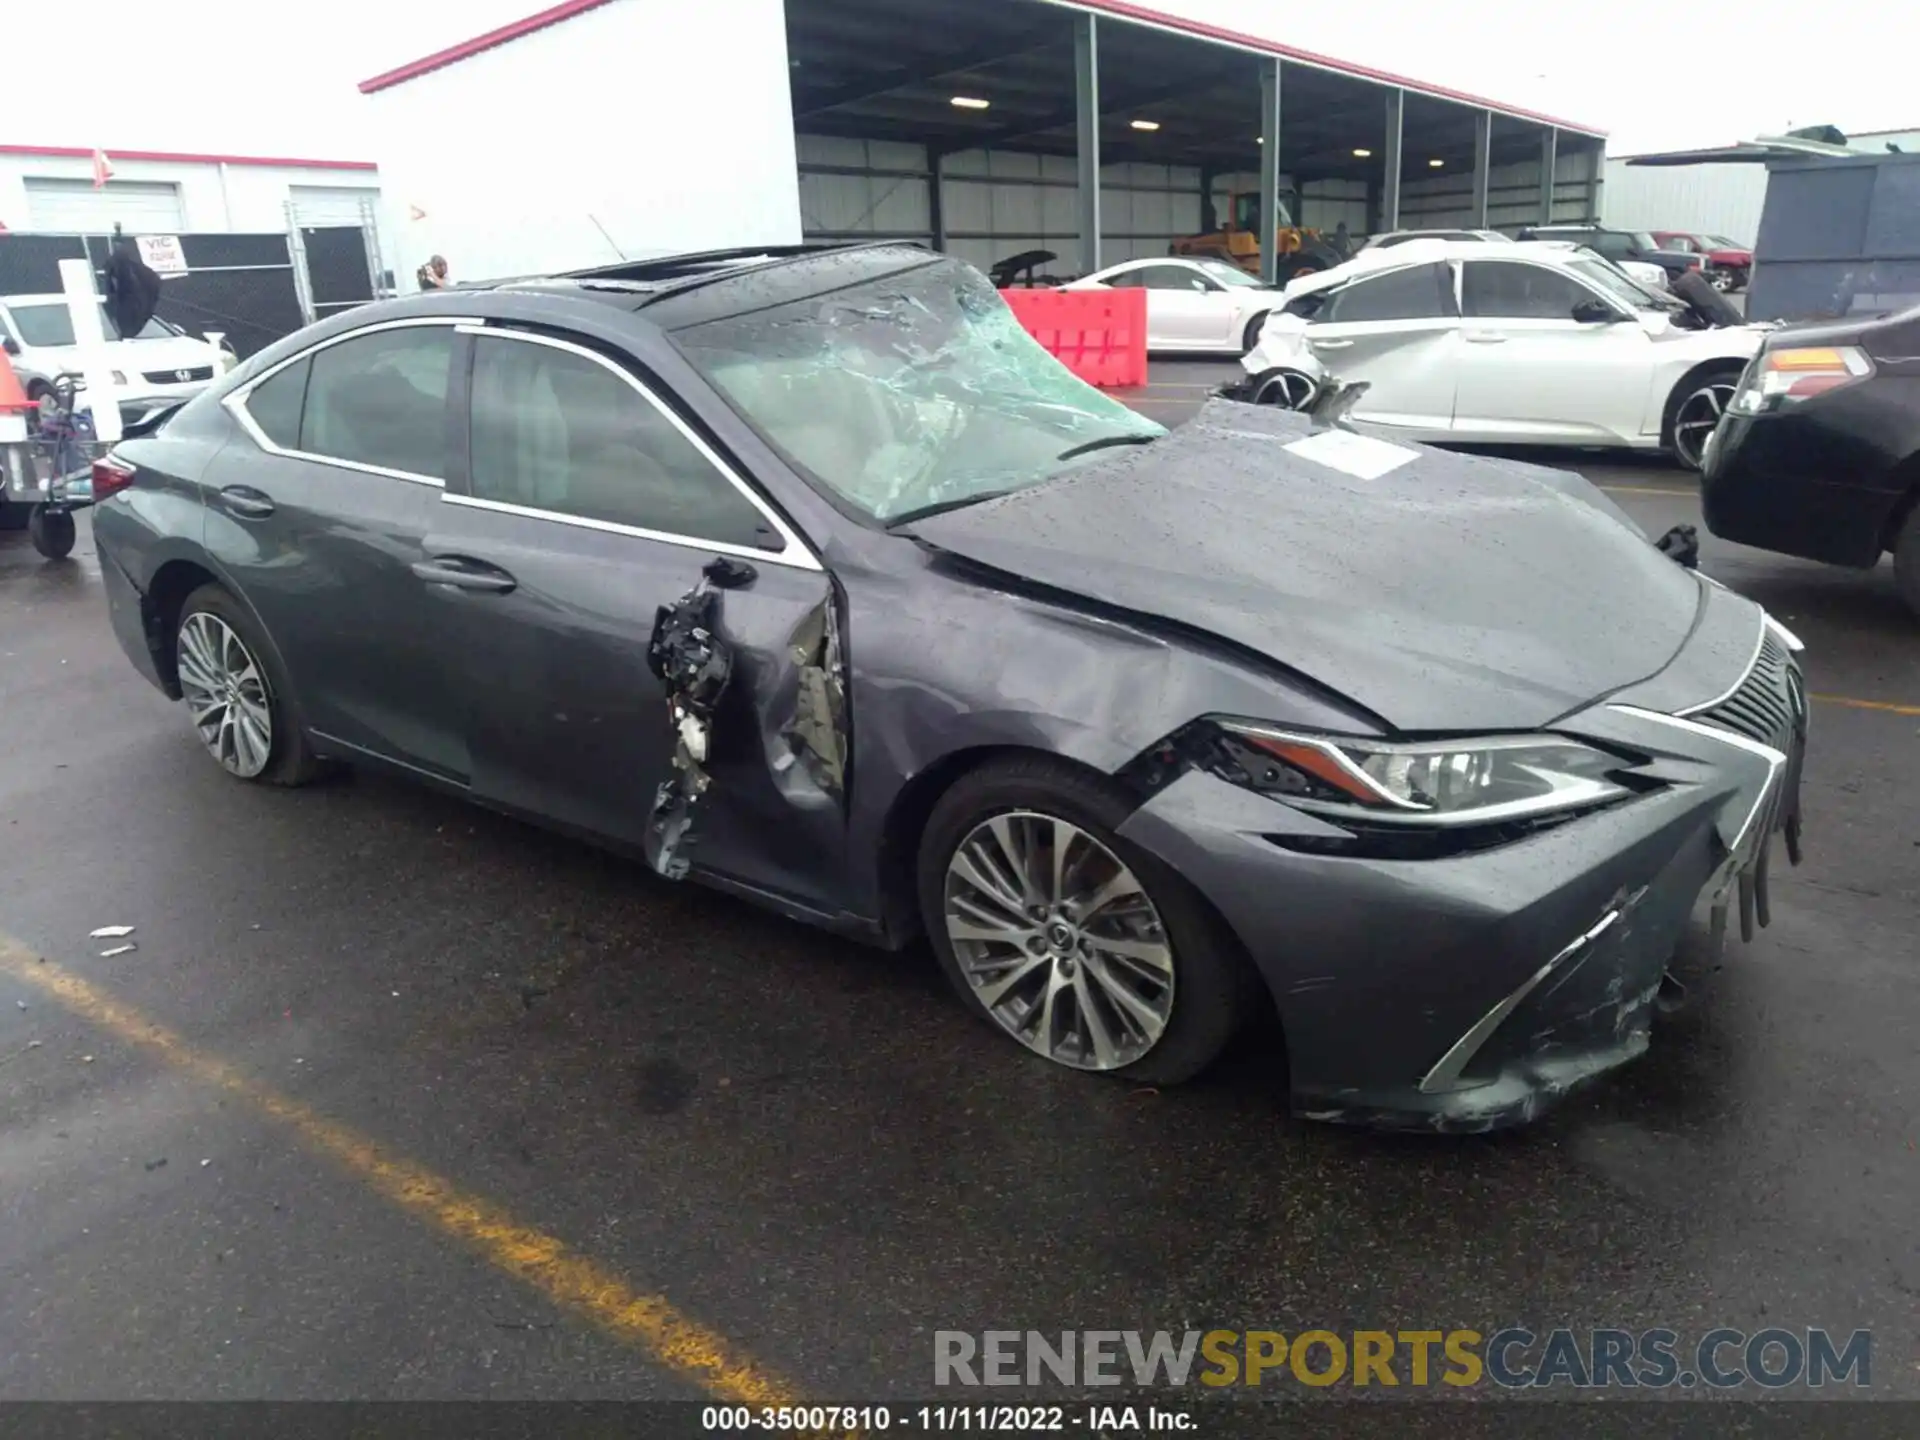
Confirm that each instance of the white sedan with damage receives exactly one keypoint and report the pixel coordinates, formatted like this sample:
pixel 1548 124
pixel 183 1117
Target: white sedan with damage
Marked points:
pixel 1470 343
pixel 1193 304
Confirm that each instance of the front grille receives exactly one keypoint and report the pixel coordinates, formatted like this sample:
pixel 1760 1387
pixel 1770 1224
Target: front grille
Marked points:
pixel 178 377
pixel 1770 704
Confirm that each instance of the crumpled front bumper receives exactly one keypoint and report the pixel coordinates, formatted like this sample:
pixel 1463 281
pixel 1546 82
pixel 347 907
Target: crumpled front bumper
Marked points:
pixel 1471 992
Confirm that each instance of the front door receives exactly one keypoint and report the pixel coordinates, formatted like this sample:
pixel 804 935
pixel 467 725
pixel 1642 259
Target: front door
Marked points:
pixel 318 515
pixel 1530 372
pixel 586 506
pixel 1185 310
pixel 1397 332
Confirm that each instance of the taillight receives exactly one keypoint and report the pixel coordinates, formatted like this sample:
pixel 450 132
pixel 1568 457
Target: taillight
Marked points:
pixel 1787 377
pixel 111 475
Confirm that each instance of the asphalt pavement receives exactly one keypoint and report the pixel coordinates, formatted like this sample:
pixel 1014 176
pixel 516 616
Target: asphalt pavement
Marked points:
pixel 398 1099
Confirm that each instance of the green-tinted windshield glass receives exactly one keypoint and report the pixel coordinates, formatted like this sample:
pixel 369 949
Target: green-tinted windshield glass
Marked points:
pixel 911 391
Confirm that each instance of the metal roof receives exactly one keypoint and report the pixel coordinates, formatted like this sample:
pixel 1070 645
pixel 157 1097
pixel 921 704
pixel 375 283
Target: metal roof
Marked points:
pixel 907 37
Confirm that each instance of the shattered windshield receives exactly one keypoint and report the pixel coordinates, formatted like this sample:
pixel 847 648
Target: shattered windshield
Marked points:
pixel 909 392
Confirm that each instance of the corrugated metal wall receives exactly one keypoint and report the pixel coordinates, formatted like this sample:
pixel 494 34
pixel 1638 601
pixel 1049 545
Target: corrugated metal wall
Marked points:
pixel 999 203
pixel 1434 202
pixel 1717 199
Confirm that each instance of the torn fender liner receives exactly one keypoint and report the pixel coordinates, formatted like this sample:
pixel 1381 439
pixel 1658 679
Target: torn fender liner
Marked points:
pixel 818 730
pixel 692 660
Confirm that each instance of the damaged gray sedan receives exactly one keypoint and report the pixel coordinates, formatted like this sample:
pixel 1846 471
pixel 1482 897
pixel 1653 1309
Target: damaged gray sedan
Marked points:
pixel 806 574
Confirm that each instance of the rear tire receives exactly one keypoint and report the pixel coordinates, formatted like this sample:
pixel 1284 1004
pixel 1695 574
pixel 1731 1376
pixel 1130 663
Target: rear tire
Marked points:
pixel 1906 560
pixel 1179 1026
pixel 216 641
pixel 1252 336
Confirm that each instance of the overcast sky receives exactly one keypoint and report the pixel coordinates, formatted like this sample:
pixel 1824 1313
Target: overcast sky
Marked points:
pixel 217 75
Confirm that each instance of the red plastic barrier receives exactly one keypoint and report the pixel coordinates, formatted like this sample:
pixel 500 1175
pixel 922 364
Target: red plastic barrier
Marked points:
pixel 1100 335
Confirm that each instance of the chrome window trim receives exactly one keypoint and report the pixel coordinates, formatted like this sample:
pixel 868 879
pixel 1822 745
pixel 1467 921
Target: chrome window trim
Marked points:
pixel 798 559
pixel 235 400
pixel 794 552
pixel 1759 644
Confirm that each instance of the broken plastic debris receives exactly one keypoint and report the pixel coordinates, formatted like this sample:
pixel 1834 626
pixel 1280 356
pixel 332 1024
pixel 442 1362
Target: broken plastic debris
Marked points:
pixel 118 950
pixel 110 932
pixel 693 663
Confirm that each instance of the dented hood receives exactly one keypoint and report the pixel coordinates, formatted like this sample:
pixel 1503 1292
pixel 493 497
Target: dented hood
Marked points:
pixel 1451 593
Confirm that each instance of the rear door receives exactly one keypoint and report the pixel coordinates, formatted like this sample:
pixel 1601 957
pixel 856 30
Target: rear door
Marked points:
pixel 1185 310
pixel 318 515
pixel 1528 371
pixel 586 503
pixel 1397 332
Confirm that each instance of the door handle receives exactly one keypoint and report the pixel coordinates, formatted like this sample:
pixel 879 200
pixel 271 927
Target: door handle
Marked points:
pixel 247 502
pixel 1330 344
pixel 1483 337
pixel 459 572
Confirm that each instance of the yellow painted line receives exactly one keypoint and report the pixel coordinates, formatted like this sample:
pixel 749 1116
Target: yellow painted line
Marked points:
pixel 568 1279
pixel 1853 704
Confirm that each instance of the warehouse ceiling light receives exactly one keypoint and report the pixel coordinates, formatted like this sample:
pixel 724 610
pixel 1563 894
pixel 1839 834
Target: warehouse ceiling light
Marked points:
pixel 1144 124
pixel 971 102
pixel 1361 154
pixel 1436 164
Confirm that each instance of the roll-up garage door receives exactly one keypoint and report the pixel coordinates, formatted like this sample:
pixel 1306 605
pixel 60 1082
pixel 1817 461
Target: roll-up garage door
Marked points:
pixel 317 205
pixel 77 207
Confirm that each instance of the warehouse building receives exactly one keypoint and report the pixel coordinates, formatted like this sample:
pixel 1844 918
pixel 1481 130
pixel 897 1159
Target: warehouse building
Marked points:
pixel 1099 130
pixel 54 189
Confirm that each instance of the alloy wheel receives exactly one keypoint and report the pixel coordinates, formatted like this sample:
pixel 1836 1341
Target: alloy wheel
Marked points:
pixel 1288 389
pixel 1722 281
pixel 1696 418
pixel 1059 941
pixel 226 694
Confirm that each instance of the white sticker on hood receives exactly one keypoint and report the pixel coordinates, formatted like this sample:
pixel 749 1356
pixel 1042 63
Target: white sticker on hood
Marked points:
pixel 1360 456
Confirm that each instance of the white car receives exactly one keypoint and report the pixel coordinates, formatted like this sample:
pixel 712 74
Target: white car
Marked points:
pixel 1192 304
pixel 1529 344
pixel 160 366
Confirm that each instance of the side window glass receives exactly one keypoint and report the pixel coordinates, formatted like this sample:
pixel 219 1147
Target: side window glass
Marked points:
pixel 1174 277
pixel 275 405
pixel 1415 293
pixel 1512 290
pixel 381 399
pixel 1132 280
pixel 556 431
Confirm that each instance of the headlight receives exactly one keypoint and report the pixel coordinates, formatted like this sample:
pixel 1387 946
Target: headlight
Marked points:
pixel 1786 377
pixel 1473 781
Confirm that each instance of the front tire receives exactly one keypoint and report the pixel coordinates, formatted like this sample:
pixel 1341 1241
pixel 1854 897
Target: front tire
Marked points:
pixel 1082 947
pixel 235 694
pixel 1695 410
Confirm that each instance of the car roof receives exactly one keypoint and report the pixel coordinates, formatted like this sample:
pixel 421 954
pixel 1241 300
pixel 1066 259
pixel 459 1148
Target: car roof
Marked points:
pixel 676 291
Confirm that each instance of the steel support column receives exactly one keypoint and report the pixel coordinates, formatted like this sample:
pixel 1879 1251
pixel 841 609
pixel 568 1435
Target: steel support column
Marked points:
pixel 1482 166
pixel 1086 75
pixel 1549 163
pixel 936 197
pixel 1596 181
pixel 1270 169
pixel 1390 177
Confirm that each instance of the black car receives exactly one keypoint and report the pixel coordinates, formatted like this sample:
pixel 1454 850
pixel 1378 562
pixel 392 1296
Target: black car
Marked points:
pixel 1618 245
pixel 1818 453
pixel 810 575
